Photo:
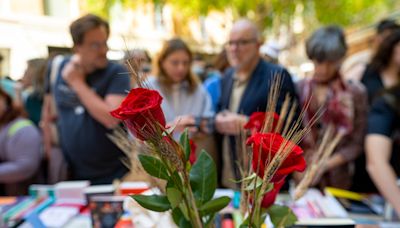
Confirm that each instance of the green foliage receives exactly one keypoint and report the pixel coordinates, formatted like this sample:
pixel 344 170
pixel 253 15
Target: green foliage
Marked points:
pixel 189 192
pixel 184 141
pixel 203 177
pixel 281 216
pixel 153 202
pixel 214 205
pixel 270 186
pixel 194 9
pixel 180 219
pixel 346 12
pixel 267 14
pixel 257 181
pixel 177 215
pixel 245 223
pixel 174 197
pixel 153 166
pixel 175 181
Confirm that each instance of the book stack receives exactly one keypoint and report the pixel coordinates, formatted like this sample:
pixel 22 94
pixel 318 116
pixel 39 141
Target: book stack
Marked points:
pixel 69 204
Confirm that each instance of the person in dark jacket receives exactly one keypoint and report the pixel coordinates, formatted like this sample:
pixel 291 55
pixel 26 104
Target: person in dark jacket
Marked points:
pixel 244 90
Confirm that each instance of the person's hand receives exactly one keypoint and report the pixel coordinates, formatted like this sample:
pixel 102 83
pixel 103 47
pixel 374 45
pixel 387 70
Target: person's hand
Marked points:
pixel 229 123
pixel 182 122
pixel 73 72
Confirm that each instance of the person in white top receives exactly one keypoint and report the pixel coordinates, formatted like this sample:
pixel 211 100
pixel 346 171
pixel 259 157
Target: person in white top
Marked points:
pixel 186 103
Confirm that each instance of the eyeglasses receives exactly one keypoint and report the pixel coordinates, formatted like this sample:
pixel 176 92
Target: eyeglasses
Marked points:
pixel 95 46
pixel 240 43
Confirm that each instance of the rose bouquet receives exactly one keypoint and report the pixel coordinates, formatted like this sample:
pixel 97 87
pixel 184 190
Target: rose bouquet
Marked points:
pixel 274 153
pixel 270 153
pixel 189 182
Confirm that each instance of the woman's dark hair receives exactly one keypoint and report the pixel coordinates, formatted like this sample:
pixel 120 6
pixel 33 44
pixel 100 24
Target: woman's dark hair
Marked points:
pixel 326 44
pixel 11 112
pixel 384 54
pixel 168 48
pixel 386 25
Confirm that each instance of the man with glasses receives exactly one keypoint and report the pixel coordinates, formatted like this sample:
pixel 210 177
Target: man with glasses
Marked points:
pixel 244 90
pixel 87 86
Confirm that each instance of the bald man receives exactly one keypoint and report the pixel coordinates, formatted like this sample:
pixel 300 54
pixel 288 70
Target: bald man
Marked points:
pixel 244 90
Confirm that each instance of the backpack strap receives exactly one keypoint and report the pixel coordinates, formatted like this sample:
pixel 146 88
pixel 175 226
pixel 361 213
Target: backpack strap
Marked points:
pixel 55 67
pixel 17 126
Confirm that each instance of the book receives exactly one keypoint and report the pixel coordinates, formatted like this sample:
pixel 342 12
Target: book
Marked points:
pixel 105 211
pixel 71 191
pixel 58 216
pixel 356 202
pixel 96 190
pixel 325 222
pixel 127 188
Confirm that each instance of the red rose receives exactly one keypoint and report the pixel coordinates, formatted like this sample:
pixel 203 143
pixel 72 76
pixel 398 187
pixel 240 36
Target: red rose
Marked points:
pixel 269 197
pixel 192 157
pixel 268 144
pixel 140 111
pixel 257 119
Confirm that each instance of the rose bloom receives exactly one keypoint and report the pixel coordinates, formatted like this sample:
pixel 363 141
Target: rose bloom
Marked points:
pixel 192 157
pixel 268 145
pixel 257 119
pixel 269 197
pixel 141 111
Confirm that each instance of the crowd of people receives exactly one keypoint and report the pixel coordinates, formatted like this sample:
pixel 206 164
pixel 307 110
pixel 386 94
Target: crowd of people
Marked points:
pixel 73 96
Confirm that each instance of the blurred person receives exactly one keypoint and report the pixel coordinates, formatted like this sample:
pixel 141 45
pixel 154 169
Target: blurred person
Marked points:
pixel 384 68
pixel 355 65
pixel 344 104
pixel 142 58
pixel 185 102
pixel 20 149
pixel 29 91
pixel 384 28
pixel 244 90
pixel 382 73
pixel 270 52
pixel 382 145
pixel 199 67
pixel 87 87
pixel 6 83
pixel 213 82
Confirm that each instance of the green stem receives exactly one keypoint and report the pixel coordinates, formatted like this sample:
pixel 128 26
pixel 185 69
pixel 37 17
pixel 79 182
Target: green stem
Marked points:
pixel 188 198
pixel 192 207
pixel 254 206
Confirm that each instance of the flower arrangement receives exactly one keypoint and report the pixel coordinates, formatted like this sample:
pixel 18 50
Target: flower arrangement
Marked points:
pixel 190 183
pixel 270 153
pixel 274 154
